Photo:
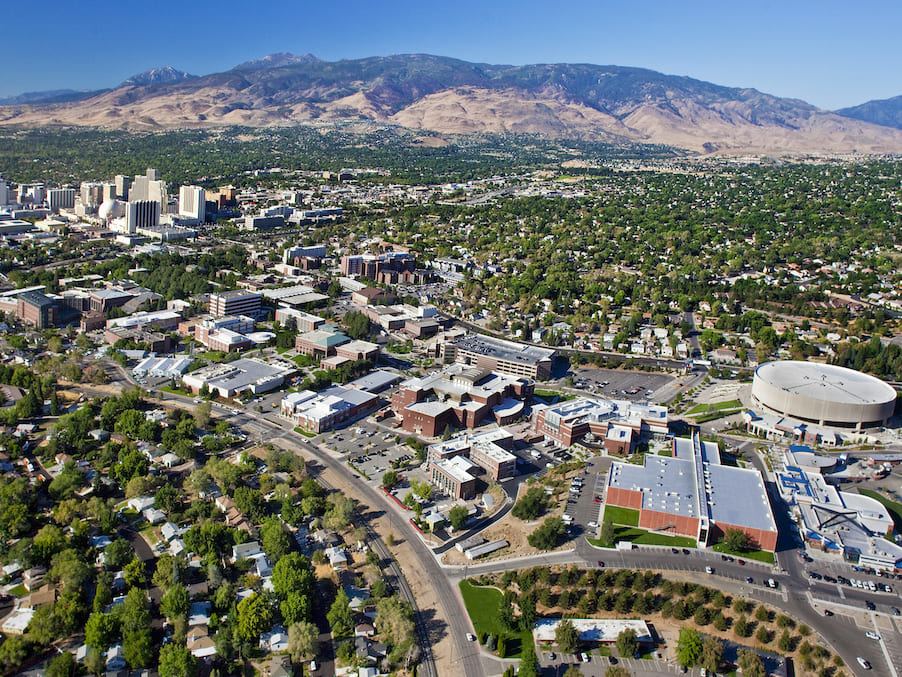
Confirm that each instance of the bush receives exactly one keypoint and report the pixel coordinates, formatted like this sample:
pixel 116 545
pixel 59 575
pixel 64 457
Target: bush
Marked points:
pixel 548 535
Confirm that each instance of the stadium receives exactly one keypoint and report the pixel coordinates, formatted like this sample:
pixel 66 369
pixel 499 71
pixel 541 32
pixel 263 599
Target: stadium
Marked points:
pixel 824 394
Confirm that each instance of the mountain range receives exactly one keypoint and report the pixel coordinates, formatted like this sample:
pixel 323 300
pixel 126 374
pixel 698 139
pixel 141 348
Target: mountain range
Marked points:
pixel 448 96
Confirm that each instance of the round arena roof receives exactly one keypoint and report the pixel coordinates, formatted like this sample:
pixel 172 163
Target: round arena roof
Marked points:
pixel 822 393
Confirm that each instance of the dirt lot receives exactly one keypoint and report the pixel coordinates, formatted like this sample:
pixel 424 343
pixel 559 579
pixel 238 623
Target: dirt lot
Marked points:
pixel 515 530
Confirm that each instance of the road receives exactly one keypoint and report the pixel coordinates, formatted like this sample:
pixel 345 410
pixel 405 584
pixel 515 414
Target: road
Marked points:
pixel 255 424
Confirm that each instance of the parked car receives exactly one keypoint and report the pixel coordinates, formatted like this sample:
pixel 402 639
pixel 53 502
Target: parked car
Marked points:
pixel 863 663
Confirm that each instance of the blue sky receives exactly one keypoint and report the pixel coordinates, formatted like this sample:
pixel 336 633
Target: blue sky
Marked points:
pixel 829 53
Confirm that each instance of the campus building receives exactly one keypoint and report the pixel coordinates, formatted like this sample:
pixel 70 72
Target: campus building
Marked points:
pixel 570 421
pixel 235 302
pixel 489 450
pixel 319 412
pixel 243 375
pixel 693 494
pixel 452 476
pixel 459 396
pixel 36 309
pixel 506 357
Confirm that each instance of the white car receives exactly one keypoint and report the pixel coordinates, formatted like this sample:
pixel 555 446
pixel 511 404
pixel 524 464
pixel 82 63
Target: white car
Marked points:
pixel 863 663
pixel 708 570
pixel 592 525
pixel 870 634
pixel 470 637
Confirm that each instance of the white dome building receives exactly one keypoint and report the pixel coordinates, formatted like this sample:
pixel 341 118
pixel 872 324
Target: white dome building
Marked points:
pixel 824 394
pixel 111 209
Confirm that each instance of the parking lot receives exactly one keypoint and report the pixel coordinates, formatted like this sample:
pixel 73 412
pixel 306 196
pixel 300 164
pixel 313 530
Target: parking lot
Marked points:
pixel 373 453
pixel 616 384
pixel 581 505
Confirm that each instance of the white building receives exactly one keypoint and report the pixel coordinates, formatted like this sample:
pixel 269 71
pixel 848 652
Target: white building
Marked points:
pixel 192 203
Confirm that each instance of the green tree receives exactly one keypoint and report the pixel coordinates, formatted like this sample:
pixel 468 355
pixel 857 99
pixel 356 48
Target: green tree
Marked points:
pixel 254 617
pixel 712 654
pixel 458 516
pixel 100 631
pixel 175 602
pixel 63 665
pixel 274 539
pixel 689 647
pixel 607 534
pixel 303 641
pixel 627 643
pixel 529 662
pixel 137 647
pixel 548 535
pixel 340 616
pixel 566 637
pixel 531 505
pixel 736 540
pixel 389 479
pixel 750 663
pixel 177 661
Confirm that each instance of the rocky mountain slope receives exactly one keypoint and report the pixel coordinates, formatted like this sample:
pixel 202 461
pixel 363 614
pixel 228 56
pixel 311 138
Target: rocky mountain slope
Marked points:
pixel 886 112
pixel 449 96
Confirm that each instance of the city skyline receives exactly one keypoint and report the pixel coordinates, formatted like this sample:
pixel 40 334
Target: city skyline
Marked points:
pixel 824 53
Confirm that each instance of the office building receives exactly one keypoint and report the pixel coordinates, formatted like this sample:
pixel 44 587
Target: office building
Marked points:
pixel 452 476
pixel 193 203
pixel 91 195
pixel 60 198
pixel 303 322
pixel 236 302
pixel 692 494
pixel 572 421
pixel 142 214
pixel 4 193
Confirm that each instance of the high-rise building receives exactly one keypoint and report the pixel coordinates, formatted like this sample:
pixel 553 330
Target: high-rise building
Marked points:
pixel 109 192
pixel 193 203
pixel 123 183
pixel 142 214
pixel 4 192
pixel 148 187
pixel 60 198
pixel 91 194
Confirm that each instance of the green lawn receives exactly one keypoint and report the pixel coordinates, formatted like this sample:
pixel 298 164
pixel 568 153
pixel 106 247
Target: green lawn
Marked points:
pixel 626 516
pixel 483 607
pixel 18 591
pixel 177 391
pixel 300 431
pixel 719 406
pixel 895 509
pixel 757 555
pixel 642 537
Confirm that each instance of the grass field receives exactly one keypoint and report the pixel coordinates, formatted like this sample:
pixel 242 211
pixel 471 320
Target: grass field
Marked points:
pixel 625 516
pixel 894 508
pixel 483 607
pixel 177 391
pixel 757 555
pixel 719 406
pixel 642 537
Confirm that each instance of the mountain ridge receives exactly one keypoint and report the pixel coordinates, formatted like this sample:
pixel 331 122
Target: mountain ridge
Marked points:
pixel 609 103
pixel 885 112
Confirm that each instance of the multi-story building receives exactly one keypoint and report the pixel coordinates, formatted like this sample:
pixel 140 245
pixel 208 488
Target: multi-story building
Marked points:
pixel 148 187
pixel 91 194
pixel 303 322
pixel 570 421
pixel 452 476
pixel 458 396
pixel 320 343
pixel 318 412
pixel 192 203
pixel 60 198
pixel 36 309
pixel 142 214
pixel 295 254
pixel 494 354
pixel 123 184
pixel 237 302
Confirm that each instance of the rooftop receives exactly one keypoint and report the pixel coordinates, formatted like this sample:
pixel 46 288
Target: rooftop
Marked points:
pixel 504 350
pixel 825 382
